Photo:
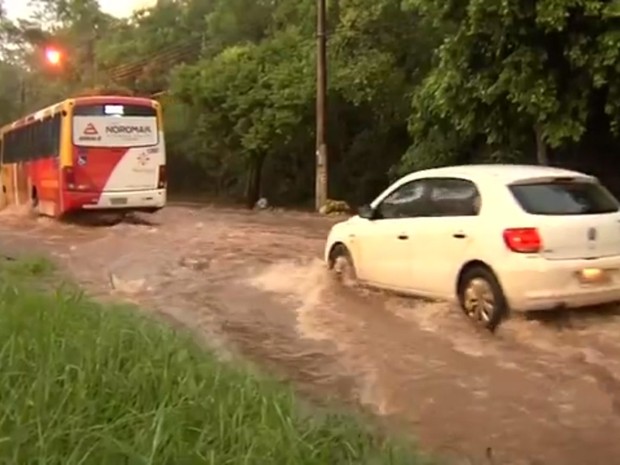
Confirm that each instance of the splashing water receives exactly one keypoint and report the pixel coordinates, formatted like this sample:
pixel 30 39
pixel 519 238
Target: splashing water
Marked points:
pixel 304 285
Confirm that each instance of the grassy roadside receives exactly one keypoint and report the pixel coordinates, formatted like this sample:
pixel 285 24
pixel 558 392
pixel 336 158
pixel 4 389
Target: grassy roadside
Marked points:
pixel 85 384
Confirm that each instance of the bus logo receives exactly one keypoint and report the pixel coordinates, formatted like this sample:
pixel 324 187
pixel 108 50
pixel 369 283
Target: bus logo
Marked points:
pixel 128 130
pixel 90 134
pixel 90 130
pixel 143 159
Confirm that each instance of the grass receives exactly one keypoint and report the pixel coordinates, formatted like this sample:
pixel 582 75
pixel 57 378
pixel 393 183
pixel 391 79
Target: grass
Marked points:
pixel 85 384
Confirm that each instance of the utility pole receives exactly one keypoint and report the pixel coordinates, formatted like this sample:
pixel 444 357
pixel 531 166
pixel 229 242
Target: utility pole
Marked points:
pixel 321 106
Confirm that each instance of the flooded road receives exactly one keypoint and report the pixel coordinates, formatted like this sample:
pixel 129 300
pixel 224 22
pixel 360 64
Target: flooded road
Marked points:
pixel 541 391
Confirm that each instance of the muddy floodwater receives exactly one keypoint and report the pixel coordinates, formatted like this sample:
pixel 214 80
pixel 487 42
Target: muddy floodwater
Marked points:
pixel 541 391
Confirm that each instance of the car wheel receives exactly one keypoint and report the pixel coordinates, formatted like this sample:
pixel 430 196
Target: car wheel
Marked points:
pixel 343 266
pixel 481 297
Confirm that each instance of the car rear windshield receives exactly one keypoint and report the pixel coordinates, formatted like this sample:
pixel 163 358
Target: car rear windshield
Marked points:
pixel 564 198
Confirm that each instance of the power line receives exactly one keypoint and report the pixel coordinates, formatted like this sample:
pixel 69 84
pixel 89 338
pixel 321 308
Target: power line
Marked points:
pixel 177 49
pixel 171 56
pixel 170 61
pixel 129 66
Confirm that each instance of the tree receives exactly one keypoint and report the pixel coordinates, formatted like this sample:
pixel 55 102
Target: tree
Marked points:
pixel 241 76
pixel 142 51
pixel 11 86
pixel 70 27
pixel 254 97
pixel 251 100
pixel 512 74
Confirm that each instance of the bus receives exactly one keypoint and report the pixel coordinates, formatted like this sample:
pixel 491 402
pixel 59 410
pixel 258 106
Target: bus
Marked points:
pixel 103 153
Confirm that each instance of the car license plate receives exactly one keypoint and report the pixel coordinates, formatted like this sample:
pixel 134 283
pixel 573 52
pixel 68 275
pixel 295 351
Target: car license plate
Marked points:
pixel 593 276
pixel 118 201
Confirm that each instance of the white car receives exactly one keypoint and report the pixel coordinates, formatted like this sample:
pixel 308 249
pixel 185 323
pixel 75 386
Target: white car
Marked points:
pixel 494 238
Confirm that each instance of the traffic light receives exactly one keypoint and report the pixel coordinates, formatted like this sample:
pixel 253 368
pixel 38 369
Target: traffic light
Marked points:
pixel 53 56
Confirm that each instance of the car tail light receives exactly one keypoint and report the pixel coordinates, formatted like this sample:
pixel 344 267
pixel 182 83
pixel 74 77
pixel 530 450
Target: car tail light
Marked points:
pixel 523 240
pixel 69 177
pixel 162 180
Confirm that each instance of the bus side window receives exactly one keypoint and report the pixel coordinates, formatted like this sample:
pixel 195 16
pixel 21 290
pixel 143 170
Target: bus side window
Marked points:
pixel 27 154
pixel 22 135
pixel 28 143
pixel 35 141
pixel 45 147
pixel 42 149
pixel 16 146
pixel 27 136
pixel 27 150
pixel 32 141
pixel 8 147
pixel 54 141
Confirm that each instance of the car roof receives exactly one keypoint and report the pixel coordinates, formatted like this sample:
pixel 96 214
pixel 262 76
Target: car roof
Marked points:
pixel 502 172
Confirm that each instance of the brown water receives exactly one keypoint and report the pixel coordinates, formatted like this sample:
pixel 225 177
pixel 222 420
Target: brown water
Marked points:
pixel 540 391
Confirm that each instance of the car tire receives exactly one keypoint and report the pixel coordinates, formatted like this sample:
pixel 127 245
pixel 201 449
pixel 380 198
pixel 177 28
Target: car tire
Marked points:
pixel 481 297
pixel 342 265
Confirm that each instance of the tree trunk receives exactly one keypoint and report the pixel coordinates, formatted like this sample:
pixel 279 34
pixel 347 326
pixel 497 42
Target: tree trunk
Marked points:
pixel 253 185
pixel 542 156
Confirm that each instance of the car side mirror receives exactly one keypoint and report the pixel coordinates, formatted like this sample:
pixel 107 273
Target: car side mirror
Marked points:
pixel 366 212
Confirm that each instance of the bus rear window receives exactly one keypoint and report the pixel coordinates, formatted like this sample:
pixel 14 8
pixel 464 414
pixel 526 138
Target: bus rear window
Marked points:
pixel 564 198
pixel 114 109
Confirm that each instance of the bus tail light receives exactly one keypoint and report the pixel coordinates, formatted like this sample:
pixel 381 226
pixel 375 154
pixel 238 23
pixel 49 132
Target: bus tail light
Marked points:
pixel 69 177
pixel 523 240
pixel 162 179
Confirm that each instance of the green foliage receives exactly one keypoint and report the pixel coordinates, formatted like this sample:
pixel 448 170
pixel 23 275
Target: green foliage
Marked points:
pixel 249 100
pixel 104 90
pixel 140 53
pixel 11 85
pixel 412 84
pixel 507 69
pixel 258 96
pixel 26 267
pixel 240 77
pixel 86 384
pixel 253 100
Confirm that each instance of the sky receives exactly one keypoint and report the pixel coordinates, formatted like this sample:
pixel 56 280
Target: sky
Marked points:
pixel 19 8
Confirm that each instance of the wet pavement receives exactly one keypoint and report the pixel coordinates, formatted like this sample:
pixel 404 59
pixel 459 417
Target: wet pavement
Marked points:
pixel 540 391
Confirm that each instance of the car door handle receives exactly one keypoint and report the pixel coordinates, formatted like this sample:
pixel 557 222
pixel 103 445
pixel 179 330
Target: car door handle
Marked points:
pixel 403 237
pixel 459 235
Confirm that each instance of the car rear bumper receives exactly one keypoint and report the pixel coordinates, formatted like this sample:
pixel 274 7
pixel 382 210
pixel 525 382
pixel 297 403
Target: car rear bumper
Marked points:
pixel 552 284
pixel 151 199
pixel 567 300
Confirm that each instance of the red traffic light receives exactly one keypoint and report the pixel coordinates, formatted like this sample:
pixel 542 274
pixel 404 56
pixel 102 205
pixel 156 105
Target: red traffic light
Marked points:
pixel 53 56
